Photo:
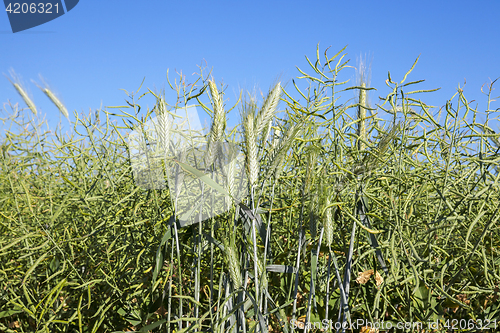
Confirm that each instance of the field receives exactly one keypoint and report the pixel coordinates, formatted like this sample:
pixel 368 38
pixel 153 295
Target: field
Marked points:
pixel 309 215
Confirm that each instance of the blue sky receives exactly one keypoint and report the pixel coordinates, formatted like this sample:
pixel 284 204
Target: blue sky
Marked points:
pixel 100 47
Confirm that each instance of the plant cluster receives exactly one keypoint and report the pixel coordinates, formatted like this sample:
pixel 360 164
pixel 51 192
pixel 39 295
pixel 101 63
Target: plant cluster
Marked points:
pixel 348 215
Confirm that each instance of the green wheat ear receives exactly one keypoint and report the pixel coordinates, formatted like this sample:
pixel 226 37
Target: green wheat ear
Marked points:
pixel 311 158
pixel 164 125
pixel 278 151
pixel 218 124
pixel 328 222
pixel 363 106
pixel 232 262
pixel 251 148
pixel 57 102
pixel 264 118
pixel 22 92
pixel 362 117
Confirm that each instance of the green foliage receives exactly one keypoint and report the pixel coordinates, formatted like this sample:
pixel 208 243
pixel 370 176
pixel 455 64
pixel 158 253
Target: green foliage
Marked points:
pixel 401 228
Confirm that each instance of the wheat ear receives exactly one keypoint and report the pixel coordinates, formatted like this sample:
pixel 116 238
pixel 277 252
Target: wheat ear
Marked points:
pixel 218 123
pixel 264 117
pixel 230 170
pixel 278 153
pixel 233 263
pixel 251 145
pixel 57 102
pixel 363 106
pixel 328 222
pixel 22 92
pixel 362 117
pixel 163 129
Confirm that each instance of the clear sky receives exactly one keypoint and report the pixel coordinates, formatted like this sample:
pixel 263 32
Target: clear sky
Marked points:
pixel 100 47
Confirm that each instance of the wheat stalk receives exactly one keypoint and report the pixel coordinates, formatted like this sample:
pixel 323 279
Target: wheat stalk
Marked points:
pixel 218 123
pixel 362 116
pixel 22 92
pixel 362 105
pixel 328 222
pixel 57 102
pixel 264 118
pixel 230 170
pixel 163 129
pixel 278 153
pixel 251 145
pixel 233 263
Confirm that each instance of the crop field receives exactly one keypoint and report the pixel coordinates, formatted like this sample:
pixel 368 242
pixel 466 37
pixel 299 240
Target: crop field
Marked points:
pixel 311 215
